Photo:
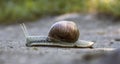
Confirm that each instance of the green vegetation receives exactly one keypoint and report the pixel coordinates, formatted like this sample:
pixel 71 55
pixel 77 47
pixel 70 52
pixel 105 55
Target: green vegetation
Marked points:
pixel 13 10
pixel 110 7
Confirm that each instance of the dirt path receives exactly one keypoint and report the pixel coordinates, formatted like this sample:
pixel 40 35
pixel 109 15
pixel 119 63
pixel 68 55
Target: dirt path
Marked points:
pixel 14 51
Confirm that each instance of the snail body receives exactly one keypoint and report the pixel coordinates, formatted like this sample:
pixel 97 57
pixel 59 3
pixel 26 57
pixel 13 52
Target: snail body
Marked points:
pixel 62 33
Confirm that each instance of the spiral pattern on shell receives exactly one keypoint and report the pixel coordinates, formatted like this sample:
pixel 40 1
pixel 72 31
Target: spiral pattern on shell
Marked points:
pixel 65 31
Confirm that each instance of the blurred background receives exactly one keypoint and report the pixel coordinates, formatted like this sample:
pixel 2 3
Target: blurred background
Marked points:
pixel 97 20
pixel 14 10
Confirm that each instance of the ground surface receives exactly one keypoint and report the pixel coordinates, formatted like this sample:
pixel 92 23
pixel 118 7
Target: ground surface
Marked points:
pixel 12 41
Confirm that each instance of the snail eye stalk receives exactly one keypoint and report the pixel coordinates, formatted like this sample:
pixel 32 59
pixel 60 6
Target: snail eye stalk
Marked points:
pixel 24 29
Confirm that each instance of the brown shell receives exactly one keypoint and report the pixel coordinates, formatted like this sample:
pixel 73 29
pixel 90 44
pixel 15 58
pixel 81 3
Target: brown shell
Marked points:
pixel 65 31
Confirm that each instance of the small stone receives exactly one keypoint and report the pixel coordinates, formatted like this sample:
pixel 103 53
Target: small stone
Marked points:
pixel 117 39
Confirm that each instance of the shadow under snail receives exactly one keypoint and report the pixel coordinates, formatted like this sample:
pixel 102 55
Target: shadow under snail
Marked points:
pixel 61 34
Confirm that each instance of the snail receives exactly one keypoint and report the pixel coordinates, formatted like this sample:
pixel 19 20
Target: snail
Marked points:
pixel 61 34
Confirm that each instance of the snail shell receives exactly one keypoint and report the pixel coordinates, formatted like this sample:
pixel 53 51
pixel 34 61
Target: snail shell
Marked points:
pixel 65 31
